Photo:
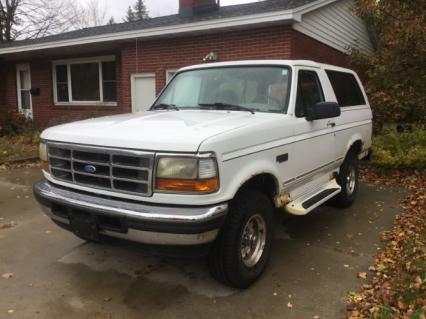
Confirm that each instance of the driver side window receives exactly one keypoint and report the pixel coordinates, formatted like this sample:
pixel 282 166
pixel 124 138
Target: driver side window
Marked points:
pixel 309 92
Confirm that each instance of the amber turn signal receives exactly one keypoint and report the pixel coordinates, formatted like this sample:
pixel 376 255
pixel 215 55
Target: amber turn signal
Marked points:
pixel 188 185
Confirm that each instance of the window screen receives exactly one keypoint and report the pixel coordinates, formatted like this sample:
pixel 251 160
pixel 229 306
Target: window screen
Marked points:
pixel 309 92
pixel 346 88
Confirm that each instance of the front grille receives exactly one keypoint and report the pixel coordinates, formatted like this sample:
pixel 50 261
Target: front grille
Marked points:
pixel 118 170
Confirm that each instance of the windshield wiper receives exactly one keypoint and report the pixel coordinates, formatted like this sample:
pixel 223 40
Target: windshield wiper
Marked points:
pixel 226 106
pixel 164 106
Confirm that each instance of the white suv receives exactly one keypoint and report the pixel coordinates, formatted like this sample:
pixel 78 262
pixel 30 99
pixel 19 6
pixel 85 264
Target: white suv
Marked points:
pixel 222 145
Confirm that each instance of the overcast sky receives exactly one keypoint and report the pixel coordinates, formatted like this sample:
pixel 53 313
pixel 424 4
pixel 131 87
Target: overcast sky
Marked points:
pixel 117 8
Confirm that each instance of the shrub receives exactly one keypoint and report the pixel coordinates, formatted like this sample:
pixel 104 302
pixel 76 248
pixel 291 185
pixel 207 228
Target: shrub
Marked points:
pixel 15 123
pixel 395 73
pixel 400 150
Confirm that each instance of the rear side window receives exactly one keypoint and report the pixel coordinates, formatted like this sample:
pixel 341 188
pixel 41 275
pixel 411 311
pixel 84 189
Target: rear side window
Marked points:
pixel 346 88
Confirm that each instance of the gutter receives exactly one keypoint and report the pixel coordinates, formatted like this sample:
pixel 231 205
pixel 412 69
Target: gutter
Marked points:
pixel 160 31
pixel 290 16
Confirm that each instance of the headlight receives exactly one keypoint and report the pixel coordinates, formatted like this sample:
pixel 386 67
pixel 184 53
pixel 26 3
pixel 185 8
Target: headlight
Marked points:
pixel 184 168
pixel 187 174
pixel 43 156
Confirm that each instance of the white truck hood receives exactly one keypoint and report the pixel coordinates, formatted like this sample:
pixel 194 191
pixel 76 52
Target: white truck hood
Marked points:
pixel 174 131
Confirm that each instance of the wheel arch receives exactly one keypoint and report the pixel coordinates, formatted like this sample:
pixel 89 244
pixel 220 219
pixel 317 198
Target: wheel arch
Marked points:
pixel 263 182
pixel 355 144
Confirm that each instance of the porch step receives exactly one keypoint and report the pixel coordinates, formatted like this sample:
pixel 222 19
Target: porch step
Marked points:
pixel 309 201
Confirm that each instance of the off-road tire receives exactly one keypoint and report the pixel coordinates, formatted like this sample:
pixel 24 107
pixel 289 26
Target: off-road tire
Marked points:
pixel 349 173
pixel 225 258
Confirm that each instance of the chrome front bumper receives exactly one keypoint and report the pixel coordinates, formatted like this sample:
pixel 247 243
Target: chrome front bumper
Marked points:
pixel 135 221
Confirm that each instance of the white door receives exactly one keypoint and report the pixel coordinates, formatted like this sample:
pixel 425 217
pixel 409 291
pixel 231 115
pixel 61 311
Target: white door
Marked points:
pixel 315 147
pixel 23 84
pixel 143 91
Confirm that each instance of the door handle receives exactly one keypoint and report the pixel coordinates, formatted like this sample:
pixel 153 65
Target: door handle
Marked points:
pixel 331 124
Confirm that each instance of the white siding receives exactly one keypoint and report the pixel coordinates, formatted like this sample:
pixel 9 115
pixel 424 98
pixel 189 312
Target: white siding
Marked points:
pixel 336 25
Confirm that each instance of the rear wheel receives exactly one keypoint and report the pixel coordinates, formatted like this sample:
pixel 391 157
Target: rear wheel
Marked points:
pixel 348 180
pixel 241 251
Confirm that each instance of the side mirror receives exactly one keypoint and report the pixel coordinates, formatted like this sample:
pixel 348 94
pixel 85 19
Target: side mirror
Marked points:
pixel 323 110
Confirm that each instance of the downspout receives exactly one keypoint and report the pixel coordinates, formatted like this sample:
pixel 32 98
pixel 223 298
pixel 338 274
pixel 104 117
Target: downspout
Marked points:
pixel 137 56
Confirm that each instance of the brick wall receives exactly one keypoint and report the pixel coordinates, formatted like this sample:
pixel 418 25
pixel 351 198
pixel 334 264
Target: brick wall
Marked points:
pixel 8 95
pixel 157 56
pixel 307 48
pixel 46 113
pixel 3 104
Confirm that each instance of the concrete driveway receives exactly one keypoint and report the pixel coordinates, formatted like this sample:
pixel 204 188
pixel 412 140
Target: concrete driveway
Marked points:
pixel 315 261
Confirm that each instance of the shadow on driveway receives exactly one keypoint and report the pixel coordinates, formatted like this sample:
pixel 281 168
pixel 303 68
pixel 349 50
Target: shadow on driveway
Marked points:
pixel 314 263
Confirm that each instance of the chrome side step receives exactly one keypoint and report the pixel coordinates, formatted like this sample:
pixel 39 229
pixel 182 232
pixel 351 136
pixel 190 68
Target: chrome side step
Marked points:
pixel 309 201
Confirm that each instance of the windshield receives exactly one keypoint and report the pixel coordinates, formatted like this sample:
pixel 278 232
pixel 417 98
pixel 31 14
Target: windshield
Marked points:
pixel 257 88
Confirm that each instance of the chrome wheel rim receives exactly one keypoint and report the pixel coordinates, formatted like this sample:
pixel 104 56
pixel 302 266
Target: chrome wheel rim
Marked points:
pixel 253 240
pixel 351 180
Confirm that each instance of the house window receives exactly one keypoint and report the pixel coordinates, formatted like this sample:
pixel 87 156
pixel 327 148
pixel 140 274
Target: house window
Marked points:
pixel 85 81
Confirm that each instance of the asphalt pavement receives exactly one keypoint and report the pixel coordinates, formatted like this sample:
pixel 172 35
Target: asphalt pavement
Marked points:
pixel 49 273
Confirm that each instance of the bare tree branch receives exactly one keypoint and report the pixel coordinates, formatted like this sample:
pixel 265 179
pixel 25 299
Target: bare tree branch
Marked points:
pixel 28 19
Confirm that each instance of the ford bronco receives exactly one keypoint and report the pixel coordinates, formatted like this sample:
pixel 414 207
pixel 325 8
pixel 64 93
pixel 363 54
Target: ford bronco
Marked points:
pixel 223 147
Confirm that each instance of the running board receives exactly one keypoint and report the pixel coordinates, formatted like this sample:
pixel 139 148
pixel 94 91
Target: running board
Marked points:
pixel 310 201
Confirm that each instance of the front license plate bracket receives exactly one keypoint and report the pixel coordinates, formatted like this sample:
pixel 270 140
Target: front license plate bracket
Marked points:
pixel 85 225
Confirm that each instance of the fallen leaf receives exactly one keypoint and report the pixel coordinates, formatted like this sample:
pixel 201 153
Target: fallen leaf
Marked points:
pixel 7 225
pixel 7 275
pixel 381 267
pixel 355 297
pixel 362 275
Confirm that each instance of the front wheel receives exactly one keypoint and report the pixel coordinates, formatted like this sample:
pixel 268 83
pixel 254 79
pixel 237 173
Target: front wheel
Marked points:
pixel 348 180
pixel 241 251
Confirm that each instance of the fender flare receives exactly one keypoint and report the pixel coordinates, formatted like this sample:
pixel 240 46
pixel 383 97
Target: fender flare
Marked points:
pixel 354 139
pixel 251 170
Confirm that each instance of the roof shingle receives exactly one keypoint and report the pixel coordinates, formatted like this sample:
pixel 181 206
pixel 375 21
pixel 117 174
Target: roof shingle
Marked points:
pixel 171 20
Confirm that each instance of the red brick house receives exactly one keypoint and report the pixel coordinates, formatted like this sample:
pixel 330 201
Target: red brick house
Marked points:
pixel 120 68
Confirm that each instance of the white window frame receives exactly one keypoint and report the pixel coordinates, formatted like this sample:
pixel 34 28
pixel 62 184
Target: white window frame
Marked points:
pixel 23 67
pixel 68 63
pixel 168 76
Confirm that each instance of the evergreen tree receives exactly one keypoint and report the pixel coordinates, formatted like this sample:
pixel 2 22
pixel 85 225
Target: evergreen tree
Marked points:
pixel 140 10
pixel 111 21
pixel 137 12
pixel 130 15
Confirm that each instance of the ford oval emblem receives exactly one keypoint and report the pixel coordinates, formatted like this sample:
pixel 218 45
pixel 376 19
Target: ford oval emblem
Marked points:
pixel 90 169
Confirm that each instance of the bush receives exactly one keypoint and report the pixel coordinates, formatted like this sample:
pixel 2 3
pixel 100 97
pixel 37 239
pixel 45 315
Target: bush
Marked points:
pixel 395 73
pixel 15 123
pixel 400 150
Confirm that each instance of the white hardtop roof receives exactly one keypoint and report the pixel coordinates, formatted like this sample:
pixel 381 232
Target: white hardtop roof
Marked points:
pixel 291 63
